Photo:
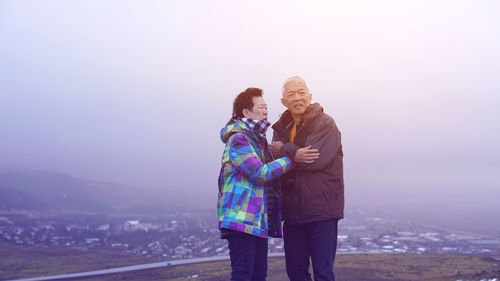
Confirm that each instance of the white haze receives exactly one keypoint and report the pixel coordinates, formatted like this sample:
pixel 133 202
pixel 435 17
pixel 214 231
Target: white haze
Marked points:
pixel 136 92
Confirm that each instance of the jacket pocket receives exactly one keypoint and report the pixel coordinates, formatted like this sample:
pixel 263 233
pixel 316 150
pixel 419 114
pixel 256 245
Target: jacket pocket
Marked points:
pixel 325 194
pixel 239 198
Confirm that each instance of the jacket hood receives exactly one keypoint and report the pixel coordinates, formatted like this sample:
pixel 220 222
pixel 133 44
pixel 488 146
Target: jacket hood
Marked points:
pixel 312 111
pixel 236 126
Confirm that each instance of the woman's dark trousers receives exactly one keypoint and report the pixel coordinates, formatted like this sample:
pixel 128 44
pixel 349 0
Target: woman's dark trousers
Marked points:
pixel 248 255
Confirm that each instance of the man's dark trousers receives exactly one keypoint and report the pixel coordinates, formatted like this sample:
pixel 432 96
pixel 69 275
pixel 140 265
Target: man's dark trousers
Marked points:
pixel 315 240
pixel 248 257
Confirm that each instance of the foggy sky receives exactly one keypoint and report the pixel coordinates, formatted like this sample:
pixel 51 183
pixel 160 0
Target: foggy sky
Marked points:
pixel 136 92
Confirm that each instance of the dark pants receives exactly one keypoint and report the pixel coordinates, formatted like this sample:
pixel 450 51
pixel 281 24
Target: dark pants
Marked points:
pixel 315 240
pixel 248 255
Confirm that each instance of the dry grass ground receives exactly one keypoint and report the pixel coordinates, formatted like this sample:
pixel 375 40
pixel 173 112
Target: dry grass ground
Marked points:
pixel 384 267
pixel 20 262
pixel 23 262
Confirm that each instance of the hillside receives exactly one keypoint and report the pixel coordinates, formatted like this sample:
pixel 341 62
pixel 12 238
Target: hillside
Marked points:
pixel 348 268
pixel 21 262
pixel 55 192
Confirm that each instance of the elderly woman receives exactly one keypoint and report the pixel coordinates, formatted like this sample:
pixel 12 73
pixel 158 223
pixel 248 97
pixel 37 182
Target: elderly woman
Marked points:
pixel 249 206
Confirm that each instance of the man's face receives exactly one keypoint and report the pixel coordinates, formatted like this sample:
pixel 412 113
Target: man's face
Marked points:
pixel 259 110
pixel 296 97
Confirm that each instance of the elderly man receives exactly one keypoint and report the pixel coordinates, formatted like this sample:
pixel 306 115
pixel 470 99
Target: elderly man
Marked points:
pixel 313 191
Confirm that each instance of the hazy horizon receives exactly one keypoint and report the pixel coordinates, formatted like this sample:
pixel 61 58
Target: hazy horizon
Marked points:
pixel 137 92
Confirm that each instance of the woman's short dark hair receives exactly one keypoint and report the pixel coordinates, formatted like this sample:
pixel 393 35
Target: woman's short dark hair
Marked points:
pixel 244 101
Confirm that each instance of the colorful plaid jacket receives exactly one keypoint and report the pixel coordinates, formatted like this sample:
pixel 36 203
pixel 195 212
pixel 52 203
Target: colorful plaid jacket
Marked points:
pixel 243 181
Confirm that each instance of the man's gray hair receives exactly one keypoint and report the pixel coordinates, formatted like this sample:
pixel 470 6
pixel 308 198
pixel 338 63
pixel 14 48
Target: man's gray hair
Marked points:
pixel 293 78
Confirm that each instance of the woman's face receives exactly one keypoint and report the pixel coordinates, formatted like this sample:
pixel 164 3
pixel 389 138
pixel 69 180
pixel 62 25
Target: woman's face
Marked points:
pixel 259 110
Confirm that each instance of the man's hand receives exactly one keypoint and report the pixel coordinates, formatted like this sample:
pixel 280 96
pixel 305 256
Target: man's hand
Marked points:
pixel 306 155
pixel 276 146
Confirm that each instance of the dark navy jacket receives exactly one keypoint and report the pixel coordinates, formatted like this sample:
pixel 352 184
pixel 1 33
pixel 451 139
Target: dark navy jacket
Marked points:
pixel 312 192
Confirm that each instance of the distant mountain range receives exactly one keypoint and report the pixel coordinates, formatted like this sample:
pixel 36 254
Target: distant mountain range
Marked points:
pixel 55 192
